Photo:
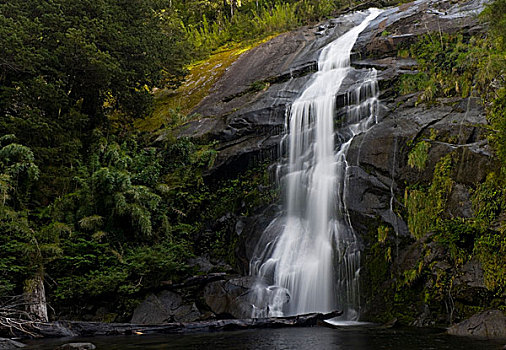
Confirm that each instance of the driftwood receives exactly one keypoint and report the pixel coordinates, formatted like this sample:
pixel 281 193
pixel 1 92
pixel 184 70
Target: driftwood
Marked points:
pixel 14 319
pixel 78 328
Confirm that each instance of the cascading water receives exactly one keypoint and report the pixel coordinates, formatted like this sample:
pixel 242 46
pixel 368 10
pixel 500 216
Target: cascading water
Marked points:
pixel 308 259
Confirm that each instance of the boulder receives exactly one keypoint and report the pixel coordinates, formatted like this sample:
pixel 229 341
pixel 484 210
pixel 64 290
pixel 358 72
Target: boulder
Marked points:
pixel 166 306
pixel 8 344
pixel 469 286
pixel 489 324
pixel 250 231
pixel 230 297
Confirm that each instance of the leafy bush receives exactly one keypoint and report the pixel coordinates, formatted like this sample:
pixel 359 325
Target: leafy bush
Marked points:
pixel 426 206
pixel 418 155
pixel 491 250
pixel 251 22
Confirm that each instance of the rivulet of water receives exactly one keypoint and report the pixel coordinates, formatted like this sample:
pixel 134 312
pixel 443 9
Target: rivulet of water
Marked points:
pixel 310 260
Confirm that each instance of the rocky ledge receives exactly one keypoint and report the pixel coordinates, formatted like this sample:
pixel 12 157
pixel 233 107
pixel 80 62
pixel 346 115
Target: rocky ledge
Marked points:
pixel 90 329
pixel 489 324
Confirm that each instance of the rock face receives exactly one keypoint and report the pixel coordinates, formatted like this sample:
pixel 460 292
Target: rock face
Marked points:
pixel 247 122
pixel 230 297
pixel 166 306
pixel 245 110
pixel 246 114
pixel 9 344
pixel 487 324
pixel 199 298
pixel 379 157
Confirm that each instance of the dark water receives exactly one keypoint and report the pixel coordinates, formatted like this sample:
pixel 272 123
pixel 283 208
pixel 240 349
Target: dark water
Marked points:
pixel 287 338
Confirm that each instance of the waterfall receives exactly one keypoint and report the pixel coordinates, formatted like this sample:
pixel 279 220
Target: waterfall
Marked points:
pixel 308 259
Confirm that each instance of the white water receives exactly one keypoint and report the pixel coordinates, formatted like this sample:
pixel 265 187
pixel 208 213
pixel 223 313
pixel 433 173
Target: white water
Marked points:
pixel 309 259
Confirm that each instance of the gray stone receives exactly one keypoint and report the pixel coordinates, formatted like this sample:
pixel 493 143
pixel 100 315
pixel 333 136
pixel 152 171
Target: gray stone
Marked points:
pixel 379 171
pixel 489 324
pixel 230 298
pixel 202 263
pixel 248 125
pixel 469 286
pixel 252 231
pixel 166 306
pixel 77 346
pixel 459 203
pixel 7 344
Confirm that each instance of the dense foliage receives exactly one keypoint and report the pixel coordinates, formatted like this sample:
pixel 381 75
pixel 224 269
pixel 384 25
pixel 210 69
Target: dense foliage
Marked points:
pixel 86 201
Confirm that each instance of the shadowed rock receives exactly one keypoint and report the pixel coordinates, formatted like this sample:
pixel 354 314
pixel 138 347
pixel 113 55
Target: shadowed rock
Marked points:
pixel 489 324
pixel 9 344
pixel 89 329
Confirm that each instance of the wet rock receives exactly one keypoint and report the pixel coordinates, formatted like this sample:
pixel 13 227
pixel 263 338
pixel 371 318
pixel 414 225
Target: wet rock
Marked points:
pixel 248 124
pixel 425 319
pixel 469 287
pixel 77 346
pixel 379 169
pixel 459 203
pixel 166 306
pixel 489 324
pixel 252 230
pixel 395 63
pixel 8 344
pixel 230 298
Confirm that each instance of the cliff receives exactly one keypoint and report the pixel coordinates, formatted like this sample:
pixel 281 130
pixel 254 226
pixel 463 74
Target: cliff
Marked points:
pixel 419 275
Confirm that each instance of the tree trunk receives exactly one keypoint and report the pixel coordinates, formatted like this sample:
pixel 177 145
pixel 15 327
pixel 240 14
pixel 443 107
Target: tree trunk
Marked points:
pixel 35 297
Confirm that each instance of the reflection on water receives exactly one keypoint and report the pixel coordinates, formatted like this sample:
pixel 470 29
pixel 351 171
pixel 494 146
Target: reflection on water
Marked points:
pixel 346 323
pixel 315 338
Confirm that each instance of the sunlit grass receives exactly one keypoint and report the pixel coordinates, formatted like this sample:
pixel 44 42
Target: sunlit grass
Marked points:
pixel 173 107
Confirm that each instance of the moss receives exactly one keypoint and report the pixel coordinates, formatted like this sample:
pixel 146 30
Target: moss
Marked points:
pixel 451 66
pixel 405 303
pixel 258 86
pixel 172 107
pixel 403 53
pixel 491 250
pixel 489 199
pixel 417 158
pixel 383 232
pixel 489 204
pixel 426 206
pixel 410 83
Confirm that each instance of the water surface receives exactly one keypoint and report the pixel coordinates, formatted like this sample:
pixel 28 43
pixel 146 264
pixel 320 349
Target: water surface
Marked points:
pixel 313 338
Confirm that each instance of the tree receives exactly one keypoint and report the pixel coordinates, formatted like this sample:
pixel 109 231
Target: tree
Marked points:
pixel 66 65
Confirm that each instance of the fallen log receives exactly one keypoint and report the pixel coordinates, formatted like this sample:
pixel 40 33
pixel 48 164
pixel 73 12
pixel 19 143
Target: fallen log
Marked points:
pixel 85 329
